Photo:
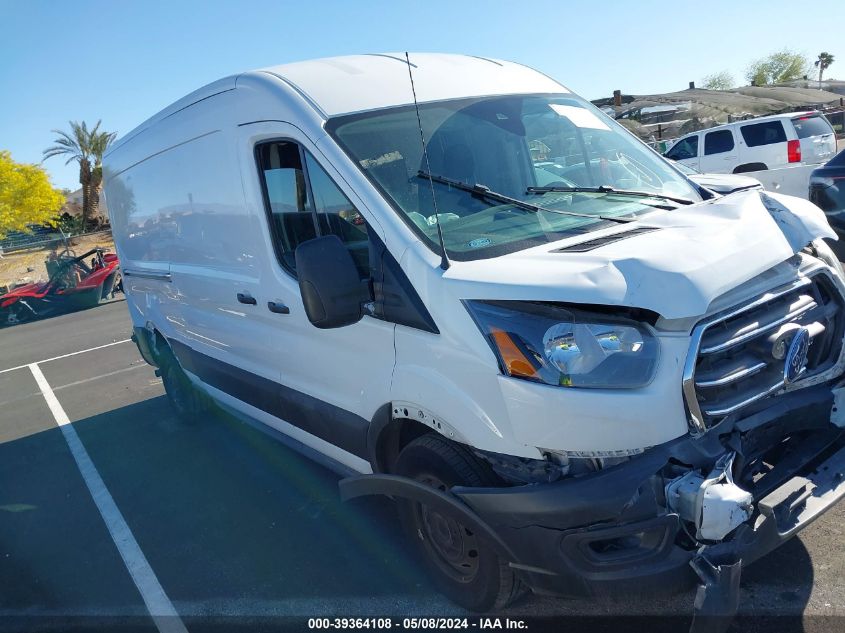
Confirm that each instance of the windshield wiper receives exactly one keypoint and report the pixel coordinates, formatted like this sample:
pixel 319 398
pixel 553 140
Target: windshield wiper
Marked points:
pixel 483 191
pixel 606 189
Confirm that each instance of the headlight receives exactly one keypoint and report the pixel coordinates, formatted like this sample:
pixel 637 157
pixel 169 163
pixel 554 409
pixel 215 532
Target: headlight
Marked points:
pixel 566 347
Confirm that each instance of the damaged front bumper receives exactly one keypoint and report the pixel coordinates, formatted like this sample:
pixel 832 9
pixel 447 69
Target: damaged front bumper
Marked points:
pixel 616 530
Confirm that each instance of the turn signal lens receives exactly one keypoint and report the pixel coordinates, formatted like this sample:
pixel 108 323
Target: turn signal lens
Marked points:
pixel 516 362
pixel 564 346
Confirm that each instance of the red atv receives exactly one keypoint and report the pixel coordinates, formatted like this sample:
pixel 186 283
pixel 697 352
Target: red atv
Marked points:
pixel 74 284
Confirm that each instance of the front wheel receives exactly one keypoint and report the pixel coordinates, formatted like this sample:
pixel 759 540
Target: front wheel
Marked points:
pixel 15 314
pixel 461 565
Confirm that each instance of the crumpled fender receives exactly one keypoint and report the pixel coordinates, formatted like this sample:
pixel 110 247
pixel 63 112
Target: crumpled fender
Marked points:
pixel 800 220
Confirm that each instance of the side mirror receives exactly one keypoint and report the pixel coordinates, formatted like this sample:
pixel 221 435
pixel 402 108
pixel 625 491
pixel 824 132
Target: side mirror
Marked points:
pixel 329 283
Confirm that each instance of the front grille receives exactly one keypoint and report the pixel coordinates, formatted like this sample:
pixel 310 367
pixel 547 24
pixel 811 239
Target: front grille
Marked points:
pixel 738 356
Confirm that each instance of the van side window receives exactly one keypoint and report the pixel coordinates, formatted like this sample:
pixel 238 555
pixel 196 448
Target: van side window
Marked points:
pixel 303 203
pixel 337 215
pixel 718 142
pixel 683 149
pixel 756 134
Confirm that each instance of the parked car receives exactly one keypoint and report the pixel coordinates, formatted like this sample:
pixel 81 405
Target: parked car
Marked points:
pixel 827 191
pixel 722 184
pixel 75 283
pixel 607 379
pixel 769 142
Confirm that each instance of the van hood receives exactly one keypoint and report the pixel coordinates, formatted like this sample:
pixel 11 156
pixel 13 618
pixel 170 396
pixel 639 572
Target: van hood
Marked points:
pixel 692 256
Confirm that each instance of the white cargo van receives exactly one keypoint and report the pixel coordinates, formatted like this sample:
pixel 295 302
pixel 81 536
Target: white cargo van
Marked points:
pixel 598 379
pixel 769 142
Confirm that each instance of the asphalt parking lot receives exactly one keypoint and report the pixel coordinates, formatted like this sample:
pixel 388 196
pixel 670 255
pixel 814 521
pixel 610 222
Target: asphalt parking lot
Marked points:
pixel 147 521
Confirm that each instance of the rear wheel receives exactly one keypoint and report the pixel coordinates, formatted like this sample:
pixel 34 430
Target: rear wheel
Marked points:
pixel 190 404
pixel 461 565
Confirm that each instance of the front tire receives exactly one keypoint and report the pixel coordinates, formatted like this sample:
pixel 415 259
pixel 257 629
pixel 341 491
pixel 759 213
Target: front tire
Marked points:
pixel 15 314
pixel 462 566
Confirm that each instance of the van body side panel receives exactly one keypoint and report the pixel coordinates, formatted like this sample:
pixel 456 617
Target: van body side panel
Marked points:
pixel 459 391
pixel 205 232
pixel 250 413
pixel 190 183
pixel 453 374
pixel 332 424
pixel 122 149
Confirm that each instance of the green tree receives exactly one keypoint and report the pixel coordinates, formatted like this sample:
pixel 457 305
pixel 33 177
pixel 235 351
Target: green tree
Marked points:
pixel 87 148
pixel 26 195
pixel 823 63
pixel 778 67
pixel 722 80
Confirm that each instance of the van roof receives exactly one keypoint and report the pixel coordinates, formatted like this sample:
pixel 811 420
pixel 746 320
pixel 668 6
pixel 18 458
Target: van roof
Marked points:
pixel 356 83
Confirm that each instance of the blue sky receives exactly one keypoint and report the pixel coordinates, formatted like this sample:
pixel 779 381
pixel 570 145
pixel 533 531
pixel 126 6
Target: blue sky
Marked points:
pixel 123 60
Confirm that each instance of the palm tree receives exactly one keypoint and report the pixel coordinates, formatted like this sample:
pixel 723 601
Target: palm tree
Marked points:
pixel 823 63
pixel 87 148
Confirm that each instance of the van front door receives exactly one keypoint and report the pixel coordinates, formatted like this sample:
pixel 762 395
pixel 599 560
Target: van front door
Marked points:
pixel 331 382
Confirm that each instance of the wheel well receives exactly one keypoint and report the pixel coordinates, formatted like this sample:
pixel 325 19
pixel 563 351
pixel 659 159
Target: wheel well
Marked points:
pixel 741 169
pixel 395 436
pixel 153 346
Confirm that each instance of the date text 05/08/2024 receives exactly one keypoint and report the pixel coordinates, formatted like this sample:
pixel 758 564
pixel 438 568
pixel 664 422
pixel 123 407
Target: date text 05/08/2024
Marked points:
pixel 417 623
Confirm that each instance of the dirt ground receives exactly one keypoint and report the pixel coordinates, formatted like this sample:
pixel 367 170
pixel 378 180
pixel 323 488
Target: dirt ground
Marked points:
pixel 15 267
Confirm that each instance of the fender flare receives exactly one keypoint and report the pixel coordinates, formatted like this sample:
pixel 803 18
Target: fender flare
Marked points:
pixel 444 503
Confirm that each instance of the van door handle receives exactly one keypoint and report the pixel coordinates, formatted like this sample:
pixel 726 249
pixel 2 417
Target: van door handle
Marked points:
pixel 278 307
pixel 245 297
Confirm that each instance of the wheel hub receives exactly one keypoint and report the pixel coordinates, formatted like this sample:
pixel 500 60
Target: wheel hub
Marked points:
pixel 454 546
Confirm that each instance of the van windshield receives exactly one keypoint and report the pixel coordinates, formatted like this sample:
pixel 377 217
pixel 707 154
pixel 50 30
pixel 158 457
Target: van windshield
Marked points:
pixel 558 153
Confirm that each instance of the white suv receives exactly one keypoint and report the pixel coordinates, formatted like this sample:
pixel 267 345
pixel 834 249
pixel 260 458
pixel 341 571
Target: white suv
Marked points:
pixel 768 142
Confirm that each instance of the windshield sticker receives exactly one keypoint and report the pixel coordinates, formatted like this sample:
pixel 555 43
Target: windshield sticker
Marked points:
pixel 579 116
pixel 480 242
pixel 384 159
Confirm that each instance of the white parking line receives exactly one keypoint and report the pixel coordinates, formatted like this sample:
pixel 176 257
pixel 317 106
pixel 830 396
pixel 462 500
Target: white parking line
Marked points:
pixel 109 374
pixel 82 351
pixel 164 615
